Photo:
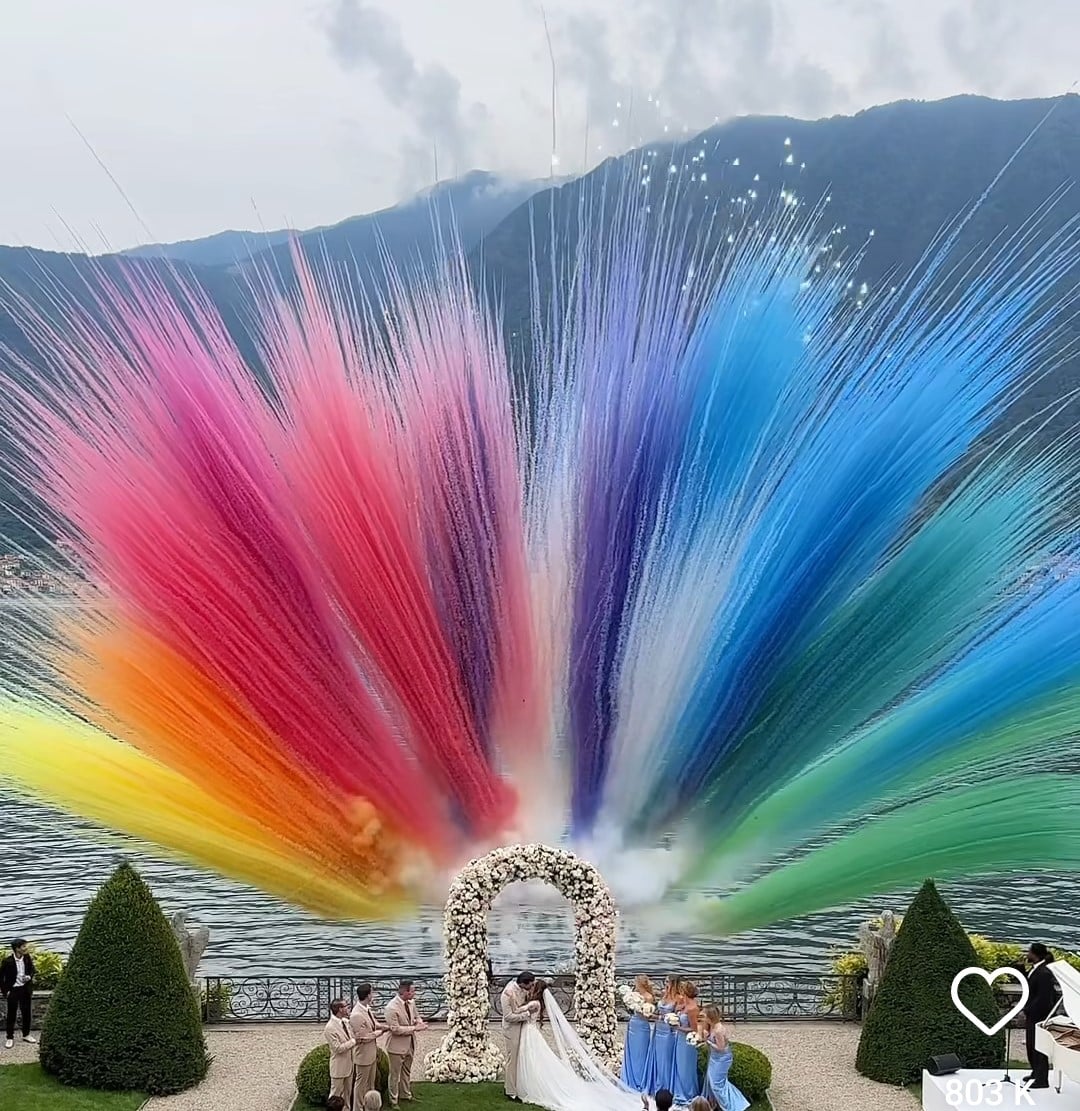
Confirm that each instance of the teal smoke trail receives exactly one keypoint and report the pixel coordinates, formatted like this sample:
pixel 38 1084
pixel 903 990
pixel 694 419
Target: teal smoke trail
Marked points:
pixel 1009 826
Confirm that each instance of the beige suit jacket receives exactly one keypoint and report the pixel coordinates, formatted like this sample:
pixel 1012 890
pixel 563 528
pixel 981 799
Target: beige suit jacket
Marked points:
pixel 401 1017
pixel 363 1024
pixel 341 1047
pixel 514 1006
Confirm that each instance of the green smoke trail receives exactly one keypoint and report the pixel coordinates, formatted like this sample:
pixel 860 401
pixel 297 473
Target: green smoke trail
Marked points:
pixel 1008 825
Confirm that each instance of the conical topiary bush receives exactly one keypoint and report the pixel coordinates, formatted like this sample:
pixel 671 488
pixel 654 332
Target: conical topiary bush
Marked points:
pixel 913 1017
pixel 123 1015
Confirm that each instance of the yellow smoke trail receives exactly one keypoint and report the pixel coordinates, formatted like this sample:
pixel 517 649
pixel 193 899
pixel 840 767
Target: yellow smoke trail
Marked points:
pixel 62 761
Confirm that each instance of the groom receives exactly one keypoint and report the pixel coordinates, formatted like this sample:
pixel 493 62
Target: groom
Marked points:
pixel 515 1011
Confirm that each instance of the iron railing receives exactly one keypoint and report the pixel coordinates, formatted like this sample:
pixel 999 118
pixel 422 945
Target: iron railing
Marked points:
pixel 307 999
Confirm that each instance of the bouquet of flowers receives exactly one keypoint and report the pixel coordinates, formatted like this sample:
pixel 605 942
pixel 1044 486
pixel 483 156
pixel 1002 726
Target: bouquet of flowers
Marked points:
pixel 632 1000
pixel 672 1019
pixel 693 1039
pixel 648 1010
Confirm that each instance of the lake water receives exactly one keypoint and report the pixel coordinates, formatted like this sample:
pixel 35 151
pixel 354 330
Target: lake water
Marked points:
pixel 49 873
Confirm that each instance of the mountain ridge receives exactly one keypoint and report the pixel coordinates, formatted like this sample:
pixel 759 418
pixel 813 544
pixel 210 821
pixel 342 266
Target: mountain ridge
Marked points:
pixel 896 174
pixel 483 198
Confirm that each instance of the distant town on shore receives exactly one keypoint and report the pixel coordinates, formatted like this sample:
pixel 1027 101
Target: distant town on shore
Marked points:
pixel 62 577
pixel 22 573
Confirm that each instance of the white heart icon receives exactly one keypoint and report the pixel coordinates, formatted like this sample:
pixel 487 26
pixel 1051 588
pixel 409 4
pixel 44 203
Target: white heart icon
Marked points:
pixel 989 977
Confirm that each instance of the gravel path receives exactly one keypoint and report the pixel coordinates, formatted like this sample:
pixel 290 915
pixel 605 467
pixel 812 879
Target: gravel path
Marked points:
pixel 21 1054
pixel 814 1068
pixel 255 1066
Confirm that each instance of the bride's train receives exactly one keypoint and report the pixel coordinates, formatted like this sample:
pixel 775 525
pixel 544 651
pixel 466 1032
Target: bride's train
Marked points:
pixel 566 1078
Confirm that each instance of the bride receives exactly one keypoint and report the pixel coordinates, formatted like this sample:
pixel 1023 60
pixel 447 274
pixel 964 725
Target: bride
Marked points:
pixel 565 1078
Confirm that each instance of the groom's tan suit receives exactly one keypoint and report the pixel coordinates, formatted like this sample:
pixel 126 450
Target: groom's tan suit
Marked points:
pixel 515 1012
pixel 365 1030
pixel 401 1019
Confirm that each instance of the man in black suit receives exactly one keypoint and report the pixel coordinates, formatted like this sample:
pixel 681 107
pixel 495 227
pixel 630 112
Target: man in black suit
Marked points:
pixel 1042 999
pixel 16 986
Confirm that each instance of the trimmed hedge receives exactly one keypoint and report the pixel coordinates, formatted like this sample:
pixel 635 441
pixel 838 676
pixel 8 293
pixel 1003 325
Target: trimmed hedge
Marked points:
pixel 990 954
pixel 313 1076
pixel 751 1070
pixel 123 1016
pixel 912 1017
pixel 846 995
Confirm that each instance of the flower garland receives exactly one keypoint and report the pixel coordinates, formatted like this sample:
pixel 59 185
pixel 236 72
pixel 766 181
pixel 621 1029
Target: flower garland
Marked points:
pixel 467 1053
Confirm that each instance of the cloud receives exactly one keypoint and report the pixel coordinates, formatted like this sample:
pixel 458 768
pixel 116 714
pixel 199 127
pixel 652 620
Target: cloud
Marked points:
pixel 703 59
pixel 364 38
pixel 889 69
pixel 978 40
pixel 814 89
pixel 584 58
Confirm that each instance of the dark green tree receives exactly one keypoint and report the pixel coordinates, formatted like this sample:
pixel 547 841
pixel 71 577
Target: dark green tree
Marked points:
pixel 913 1017
pixel 124 1016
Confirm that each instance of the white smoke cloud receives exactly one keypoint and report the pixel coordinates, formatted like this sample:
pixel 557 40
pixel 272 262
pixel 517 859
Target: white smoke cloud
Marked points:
pixel 364 38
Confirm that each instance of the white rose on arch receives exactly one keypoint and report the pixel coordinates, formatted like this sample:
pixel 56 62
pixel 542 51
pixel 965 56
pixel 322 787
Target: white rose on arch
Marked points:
pixel 467 1052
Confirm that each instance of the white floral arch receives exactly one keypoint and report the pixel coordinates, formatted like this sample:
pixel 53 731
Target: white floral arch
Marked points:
pixel 467 1052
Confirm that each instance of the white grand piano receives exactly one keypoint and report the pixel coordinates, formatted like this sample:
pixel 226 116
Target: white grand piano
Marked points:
pixel 1059 1036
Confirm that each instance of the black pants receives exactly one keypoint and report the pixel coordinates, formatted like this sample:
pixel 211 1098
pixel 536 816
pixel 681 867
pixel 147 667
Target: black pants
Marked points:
pixel 1039 1062
pixel 18 999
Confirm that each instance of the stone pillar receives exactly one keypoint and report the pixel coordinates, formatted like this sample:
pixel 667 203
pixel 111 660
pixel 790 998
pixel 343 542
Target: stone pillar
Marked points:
pixel 876 945
pixel 192 943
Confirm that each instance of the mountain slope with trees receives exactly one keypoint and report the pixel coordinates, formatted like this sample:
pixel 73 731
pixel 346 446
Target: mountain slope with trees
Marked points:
pixel 895 177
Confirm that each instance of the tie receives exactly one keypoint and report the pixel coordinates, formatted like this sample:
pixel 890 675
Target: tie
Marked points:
pixel 345 1027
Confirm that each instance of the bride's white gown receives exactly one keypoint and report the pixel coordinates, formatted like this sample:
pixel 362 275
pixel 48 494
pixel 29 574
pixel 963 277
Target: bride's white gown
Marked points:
pixel 548 1077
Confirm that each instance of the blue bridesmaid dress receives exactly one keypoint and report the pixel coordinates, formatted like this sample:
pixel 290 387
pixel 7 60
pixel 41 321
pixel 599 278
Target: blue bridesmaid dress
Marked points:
pixel 717 1086
pixel 684 1080
pixel 663 1050
pixel 637 1065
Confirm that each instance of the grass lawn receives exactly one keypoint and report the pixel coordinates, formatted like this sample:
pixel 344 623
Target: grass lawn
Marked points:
pixel 451 1097
pixel 469 1097
pixel 27 1088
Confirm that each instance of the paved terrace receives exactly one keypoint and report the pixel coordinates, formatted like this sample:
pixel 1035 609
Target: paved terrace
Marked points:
pixel 255 1067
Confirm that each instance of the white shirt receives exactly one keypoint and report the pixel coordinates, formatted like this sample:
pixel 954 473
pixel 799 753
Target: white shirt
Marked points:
pixel 20 972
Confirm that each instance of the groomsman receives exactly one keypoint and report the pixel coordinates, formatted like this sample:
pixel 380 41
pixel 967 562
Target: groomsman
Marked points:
pixel 404 1024
pixel 339 1037
pixel 366 1030
pixel 16 986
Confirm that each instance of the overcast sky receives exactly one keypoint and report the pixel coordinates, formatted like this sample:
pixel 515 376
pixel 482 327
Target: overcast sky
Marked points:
pixel 214 114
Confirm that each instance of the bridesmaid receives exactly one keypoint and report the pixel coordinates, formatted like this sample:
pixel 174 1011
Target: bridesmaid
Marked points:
pixel 684 1082
pixel 664 1038
pixel 718 1089
pixel 637 1066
